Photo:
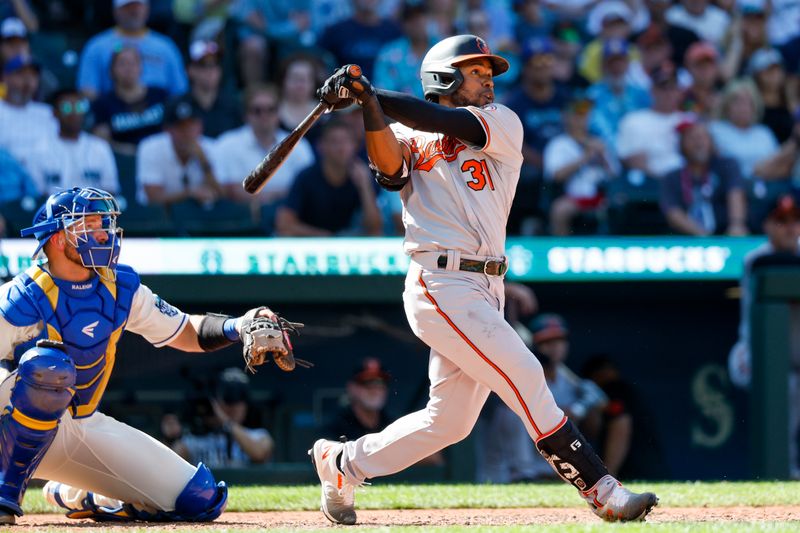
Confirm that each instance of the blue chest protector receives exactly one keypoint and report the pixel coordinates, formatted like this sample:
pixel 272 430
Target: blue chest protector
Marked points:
pixel 87 317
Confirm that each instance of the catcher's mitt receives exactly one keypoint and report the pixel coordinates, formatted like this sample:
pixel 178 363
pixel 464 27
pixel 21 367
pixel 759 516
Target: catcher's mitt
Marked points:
pixel 263 335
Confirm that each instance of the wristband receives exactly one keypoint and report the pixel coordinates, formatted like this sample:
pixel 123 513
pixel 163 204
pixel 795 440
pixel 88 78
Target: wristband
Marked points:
pixel 229 329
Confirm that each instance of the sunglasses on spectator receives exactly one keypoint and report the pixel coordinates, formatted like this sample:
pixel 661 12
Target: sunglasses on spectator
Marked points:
pixel 263 110
pixel 81 107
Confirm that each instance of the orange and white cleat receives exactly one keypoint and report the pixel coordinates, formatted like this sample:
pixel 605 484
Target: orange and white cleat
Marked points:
pixel 338 496
pixel 621 505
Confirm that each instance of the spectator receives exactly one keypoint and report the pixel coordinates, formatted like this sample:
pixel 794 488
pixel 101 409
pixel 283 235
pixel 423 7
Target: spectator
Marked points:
pixel 132 110
pixel 747 34
pixel 359 38
pixel 706 195
pixel 613 96
pixel 783 164
pixel 26 126
pixel 615 23
pixel 299 82
pixel 326 197
pixel 627 442
pixel 766 68
pixel 680 38
pixel 14 41
pixel 276 22
pixel 17 183
pixel 706 20
pixel 443 16
pixel 74 158
pixel 180 163
pixel 567 44
pixel 162 65
pixel 220 110
pixel 635 145
pixel 20 9
pixel 365 412
pixel 580 164
pixel 534 20
pixel 225 441
pixel 737 132
pixel 538 102
pixel 243 148
pixel 398 62
pixel 199 19
pixel 782 227
pixel 701 97
pixel 654 50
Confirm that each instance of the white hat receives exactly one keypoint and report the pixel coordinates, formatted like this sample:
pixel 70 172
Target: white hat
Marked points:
pixel 13 27
pixel 605 10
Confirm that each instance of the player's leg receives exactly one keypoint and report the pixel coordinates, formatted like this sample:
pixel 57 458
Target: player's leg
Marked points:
pixel 452 410
pixel 35 396
pixel 468 327
pixel 107 469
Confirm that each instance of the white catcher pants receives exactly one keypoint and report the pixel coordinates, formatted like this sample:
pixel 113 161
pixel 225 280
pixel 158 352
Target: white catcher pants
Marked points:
pixel 473 351
pixel 102 455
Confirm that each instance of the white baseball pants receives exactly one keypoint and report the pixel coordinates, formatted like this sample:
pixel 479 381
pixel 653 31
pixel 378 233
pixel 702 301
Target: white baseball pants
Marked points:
pixel 108 457
pixel 473 351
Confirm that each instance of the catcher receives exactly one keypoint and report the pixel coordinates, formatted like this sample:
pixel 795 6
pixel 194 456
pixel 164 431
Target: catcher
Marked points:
pixel 59 328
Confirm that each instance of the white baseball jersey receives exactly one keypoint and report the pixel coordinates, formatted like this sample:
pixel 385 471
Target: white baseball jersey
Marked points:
pixel 459 196
pixel 86 162
pixel 151 317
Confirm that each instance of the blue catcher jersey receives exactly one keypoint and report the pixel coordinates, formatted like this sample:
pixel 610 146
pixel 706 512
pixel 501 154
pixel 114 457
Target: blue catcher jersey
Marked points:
pixel 88 317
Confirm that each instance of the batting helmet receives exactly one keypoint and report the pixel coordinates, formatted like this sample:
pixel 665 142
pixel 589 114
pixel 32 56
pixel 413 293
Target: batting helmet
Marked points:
pixel 65 210
pixel 439 71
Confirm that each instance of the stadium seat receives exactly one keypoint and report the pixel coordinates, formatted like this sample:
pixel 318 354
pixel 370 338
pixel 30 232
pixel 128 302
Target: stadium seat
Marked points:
pixel 222 219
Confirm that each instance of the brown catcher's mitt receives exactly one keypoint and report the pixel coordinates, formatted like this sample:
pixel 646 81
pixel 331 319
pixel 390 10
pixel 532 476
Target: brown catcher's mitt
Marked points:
pixel 263 335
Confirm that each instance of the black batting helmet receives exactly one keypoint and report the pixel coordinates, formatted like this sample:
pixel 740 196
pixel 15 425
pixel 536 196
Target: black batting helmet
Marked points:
pixel 439 71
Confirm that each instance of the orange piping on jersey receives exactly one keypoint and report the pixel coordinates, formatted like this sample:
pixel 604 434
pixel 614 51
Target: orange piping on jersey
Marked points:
pixel 488 132
pixel 446 148
pixel 482 356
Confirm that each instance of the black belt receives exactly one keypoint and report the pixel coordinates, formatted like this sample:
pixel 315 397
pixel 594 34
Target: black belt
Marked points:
pixel 490 267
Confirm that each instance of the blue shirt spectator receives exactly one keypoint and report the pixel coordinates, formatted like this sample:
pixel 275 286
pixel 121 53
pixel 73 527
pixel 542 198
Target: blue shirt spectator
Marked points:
pixel 614 96
pixel 17 183
pixel 162 65
pixel 398 63
pixel 359 38
pixel 278 19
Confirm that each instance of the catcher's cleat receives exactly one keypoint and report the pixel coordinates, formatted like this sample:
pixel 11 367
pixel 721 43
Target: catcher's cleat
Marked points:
pixel 86 508
pixel 621 505
pixel 7 518
pixel 338 496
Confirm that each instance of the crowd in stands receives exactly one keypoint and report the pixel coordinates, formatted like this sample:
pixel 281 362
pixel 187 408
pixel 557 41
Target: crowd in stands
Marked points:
pixel 640 116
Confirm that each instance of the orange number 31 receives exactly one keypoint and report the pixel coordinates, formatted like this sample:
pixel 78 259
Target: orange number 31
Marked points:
pixel 479 173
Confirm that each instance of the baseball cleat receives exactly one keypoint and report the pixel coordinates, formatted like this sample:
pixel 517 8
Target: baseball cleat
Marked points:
pixel 86 507
pixel 7 518
pixel 622 505
pixel 338 496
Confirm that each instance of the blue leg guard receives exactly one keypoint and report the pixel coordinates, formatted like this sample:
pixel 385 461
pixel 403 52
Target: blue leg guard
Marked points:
pixel 42 392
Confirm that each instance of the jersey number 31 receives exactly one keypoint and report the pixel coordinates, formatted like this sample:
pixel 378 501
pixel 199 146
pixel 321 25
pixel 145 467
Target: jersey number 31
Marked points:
pixel 479 173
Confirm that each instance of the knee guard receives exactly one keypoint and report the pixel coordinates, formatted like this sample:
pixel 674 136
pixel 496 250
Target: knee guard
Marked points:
pixel 41 393
pixel 572 457
pixel 202 499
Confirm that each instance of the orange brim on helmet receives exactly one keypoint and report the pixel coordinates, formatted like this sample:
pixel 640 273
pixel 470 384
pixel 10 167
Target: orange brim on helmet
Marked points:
pixel 499 64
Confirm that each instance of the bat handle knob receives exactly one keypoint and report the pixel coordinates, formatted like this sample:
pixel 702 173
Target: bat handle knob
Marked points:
pixel 354 71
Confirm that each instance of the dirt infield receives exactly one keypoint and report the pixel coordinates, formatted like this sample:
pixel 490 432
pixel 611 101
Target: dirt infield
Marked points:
pixel 428 517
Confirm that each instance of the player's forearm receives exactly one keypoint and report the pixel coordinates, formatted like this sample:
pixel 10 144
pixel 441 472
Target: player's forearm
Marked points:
pixel 421 115
pixel 679 221
pixel 618 442
pixel 287 224
pixel 257 449
pixel 382 146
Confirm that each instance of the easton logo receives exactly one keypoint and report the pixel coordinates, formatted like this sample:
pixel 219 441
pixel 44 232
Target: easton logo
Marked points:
pixel 446 148
pixel 89 329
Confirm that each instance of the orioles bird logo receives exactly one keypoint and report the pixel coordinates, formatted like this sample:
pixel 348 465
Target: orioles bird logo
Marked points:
pixel 482 46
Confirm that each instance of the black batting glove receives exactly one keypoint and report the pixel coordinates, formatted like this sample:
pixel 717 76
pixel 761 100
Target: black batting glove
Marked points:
pixel 352 80
pixel 331 94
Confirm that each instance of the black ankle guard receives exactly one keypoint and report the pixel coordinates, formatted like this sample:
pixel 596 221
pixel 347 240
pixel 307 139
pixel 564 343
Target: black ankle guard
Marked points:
pixel 572 457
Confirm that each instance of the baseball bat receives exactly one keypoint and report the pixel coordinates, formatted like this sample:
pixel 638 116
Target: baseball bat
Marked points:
pixel 259 176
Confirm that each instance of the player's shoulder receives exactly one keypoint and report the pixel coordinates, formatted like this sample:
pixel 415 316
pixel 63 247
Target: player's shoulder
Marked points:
pixel 498 114
pixel 16 305
pixel 128 277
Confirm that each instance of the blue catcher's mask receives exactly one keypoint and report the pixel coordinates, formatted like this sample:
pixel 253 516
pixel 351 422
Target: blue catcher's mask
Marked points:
pixel 88 217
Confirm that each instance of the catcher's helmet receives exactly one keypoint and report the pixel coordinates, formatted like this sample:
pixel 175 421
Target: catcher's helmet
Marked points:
pixel 65 210
pixel 439 71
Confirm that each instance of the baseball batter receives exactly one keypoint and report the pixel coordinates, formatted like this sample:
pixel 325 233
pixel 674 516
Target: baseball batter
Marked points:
pixel 59 328
pixel 456 160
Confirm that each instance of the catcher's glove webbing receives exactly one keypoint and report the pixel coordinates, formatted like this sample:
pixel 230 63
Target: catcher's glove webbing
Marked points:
pixel 263 335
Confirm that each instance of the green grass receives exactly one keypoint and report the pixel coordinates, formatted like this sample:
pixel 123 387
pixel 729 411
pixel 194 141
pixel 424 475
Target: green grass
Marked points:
pixel 387 496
